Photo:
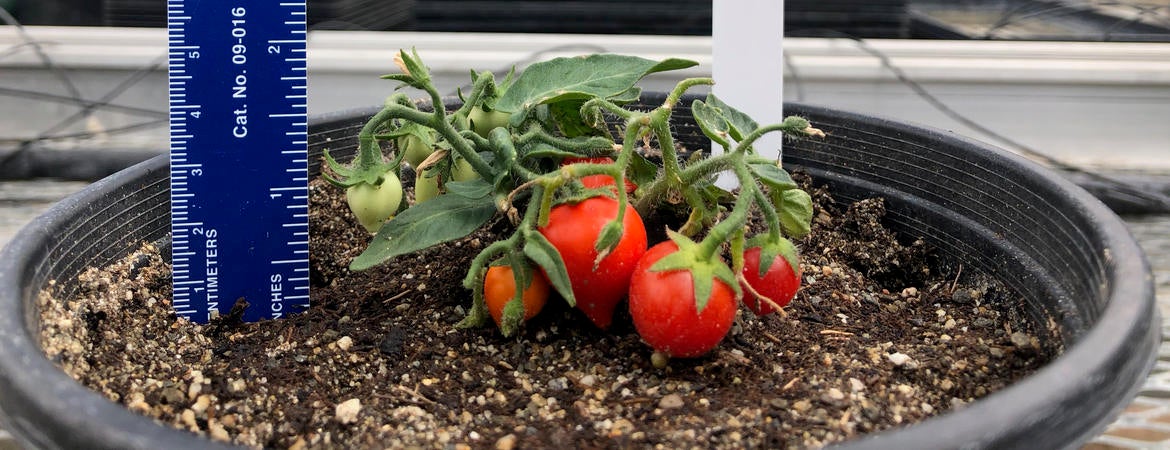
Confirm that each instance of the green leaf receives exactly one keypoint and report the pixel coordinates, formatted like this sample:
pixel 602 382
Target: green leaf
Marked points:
pixel 567 116
pixel 773 176
pixel 544 254
pixel 720 122
pixel 558 79
pixel 641 171
pixel 471 189
pixel 335 166
pixel 399 77
pixel 795 209
pixel 717 194
pixel 629 96
pixel 444 218
pixel 740 124
pixel 713 124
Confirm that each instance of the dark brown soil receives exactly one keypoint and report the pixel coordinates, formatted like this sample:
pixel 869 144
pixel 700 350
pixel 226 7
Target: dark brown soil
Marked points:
pixel 883 334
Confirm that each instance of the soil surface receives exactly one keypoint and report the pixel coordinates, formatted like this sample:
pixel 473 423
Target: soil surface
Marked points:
pixel 884 333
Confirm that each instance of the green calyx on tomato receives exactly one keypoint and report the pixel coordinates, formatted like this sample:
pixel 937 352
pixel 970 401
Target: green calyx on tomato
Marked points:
pixel 666 311
pixel 705 271
pixel 770 276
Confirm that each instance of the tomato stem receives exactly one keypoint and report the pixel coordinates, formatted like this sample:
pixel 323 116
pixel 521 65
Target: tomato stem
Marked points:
pixel 682 87
pixel 723 230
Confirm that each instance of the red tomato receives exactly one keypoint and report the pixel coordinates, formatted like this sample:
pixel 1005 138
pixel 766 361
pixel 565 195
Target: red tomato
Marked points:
pixel 596 181
pixel 573 230
pixel 662 305
pixel 779 283
pixel 499 287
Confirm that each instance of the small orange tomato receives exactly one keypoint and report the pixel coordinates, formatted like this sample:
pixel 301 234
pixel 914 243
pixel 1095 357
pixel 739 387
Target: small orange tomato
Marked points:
pixel 499 287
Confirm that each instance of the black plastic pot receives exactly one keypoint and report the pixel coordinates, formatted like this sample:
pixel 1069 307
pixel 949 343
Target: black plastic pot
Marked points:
pixel 1064 252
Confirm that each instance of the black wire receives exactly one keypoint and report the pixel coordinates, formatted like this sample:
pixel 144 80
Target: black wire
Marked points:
pixel 118 90
pixel 1005 19
pixel 37 95
pixel 44 57
pixel 1143 12
pixel 84 134
pixel 75 97
pixel 1113 183
pixel 1047 12
pixel 14 49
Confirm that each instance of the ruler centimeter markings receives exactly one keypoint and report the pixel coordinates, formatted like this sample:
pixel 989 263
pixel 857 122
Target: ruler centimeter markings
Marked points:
pixel 238 151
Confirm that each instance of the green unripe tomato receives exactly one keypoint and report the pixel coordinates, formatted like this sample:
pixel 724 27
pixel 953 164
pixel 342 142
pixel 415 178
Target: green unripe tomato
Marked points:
pixel 416 150
pixel 483 122
pixel 462 171
pixel 374 205
pixel 425 188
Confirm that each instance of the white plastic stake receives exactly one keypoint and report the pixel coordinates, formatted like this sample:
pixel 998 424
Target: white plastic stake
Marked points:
pixel 748 62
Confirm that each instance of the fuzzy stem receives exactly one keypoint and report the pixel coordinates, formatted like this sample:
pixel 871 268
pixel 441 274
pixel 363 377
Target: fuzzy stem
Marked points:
pixel 682 87
pixel 501 143
pixel 485 256
pixel 484 85
pixel 369 153
pixel 723 230
pixel 699 170
pixel 611 107
pixel 750 187
pixel 746 143
pixel 589 146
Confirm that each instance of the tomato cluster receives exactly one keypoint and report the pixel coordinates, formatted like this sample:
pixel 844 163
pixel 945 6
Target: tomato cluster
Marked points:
pixel 662 303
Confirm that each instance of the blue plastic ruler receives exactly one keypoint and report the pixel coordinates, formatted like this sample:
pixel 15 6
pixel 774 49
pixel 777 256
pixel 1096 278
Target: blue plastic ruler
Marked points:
pixel 239 186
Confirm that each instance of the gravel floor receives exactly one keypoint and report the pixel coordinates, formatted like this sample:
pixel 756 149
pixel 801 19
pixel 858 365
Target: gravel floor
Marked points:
pixel 1145 424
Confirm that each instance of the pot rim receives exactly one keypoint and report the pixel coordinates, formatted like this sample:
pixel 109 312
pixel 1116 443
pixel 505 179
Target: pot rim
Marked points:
pixel 25 370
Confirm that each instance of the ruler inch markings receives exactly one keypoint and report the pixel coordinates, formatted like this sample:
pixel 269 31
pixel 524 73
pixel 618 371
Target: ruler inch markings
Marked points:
pixel 233 235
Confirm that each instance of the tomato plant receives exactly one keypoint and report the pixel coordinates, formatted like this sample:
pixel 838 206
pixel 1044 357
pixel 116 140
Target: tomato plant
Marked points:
pixel 598 281
pixel 542 152
pixel 499 288
pixel 663 305
pixel 777 282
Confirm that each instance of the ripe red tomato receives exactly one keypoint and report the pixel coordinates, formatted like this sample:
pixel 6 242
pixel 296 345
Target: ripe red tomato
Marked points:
pixel 662 305
pixel 499 287
pixel 779 283
pixel 596 181
pixel 573 230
